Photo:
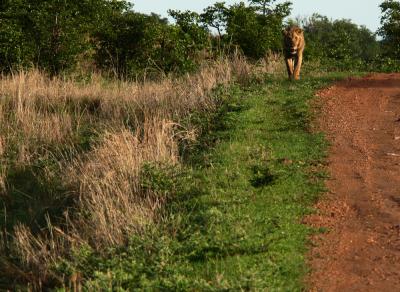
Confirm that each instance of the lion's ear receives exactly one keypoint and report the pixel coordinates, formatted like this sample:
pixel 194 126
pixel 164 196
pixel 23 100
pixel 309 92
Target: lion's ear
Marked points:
pixel 284 32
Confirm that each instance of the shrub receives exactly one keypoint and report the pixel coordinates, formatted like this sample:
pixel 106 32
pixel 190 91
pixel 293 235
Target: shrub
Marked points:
pixel 340 43
pixel 255 29
pixel 390 30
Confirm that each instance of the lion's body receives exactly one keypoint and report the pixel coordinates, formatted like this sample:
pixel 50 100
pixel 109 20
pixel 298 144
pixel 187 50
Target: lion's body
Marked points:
pixel 294 45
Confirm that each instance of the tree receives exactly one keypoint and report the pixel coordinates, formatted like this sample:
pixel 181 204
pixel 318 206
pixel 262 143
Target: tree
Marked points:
pixel 191 27
pixel 215 16
pixel 133 44
pixel 266 7
pixel 190 38
pixel 15 48
pixel 124 43
pixel 50 34
pixel 256 28
pixel 262 5
pixel 243 29
pixel 339 42
pixel 390 29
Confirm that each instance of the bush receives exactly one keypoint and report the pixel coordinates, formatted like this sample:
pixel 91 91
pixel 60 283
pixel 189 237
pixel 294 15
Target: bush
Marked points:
pixel 255 29
pixel 340 43
pixel 49 34
pixel 390 30
pixel 127 42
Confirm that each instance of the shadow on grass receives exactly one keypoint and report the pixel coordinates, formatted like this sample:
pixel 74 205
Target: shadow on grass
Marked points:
pixel 31 198
pixel 221 251
pixel 262 176
pixel 213 128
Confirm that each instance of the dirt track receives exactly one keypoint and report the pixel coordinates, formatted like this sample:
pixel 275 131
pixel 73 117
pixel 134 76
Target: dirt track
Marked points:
pixel 361 251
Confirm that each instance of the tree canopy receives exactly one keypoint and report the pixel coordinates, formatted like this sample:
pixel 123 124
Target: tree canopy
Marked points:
pixel 60 35
pixel 390 29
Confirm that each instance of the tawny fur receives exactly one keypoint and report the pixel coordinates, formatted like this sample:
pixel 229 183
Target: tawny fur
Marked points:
pixel 294 45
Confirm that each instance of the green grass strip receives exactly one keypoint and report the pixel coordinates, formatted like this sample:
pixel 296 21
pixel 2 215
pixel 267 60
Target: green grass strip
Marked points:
pixel 236 224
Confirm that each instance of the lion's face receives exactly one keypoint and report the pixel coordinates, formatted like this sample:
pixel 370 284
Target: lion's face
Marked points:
pixel 294 38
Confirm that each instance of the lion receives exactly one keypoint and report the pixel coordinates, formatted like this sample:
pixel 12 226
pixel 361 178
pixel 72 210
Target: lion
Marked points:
pixel 293 45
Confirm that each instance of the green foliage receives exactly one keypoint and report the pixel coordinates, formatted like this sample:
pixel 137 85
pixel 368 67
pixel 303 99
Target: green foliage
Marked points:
pixel 255 29
pixel 215 17
pixel 340 43
pixel 243 29
pixel 56 35
pixel 188 40
pixel 50 34
pixel 160 179
pixel 132 44
pixel 126 43
pixel 386 64
pixel 390 30
pixel 267 7
pixel 14 47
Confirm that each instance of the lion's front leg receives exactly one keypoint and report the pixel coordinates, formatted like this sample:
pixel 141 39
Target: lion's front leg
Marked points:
pixel 299 61
pixel 290 67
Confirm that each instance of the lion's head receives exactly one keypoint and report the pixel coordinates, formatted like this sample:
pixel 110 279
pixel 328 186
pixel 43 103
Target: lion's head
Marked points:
pixel 294 39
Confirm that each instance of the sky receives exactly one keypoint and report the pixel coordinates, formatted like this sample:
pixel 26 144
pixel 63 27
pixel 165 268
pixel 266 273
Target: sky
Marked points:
pixel 362 12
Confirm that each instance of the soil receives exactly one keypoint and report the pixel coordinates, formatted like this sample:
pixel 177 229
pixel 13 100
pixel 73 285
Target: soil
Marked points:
pixel 361 211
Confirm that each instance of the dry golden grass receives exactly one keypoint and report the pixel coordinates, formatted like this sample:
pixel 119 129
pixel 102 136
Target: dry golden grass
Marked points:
pixel 272 64
pixel 126 124
pixel 111 192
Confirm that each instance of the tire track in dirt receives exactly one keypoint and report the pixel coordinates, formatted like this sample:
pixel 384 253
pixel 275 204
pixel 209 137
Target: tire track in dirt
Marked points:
pixel 361 250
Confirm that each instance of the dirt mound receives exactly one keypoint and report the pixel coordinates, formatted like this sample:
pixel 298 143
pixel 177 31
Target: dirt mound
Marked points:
pixel 361 250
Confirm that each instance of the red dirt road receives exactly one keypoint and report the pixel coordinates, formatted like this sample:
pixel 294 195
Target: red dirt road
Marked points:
pixel 361 250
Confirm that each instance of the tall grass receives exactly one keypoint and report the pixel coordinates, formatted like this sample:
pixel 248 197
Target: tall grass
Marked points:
pixel 71 157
